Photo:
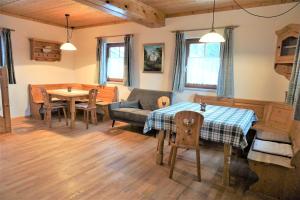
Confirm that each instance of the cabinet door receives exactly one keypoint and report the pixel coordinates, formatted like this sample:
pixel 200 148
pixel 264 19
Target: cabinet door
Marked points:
pixel 287 47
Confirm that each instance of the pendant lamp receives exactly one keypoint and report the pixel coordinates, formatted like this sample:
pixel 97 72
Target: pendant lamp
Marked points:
pixel 212 36
pixel 68 46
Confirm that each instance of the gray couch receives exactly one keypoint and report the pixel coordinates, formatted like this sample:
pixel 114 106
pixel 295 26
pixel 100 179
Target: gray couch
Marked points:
pixel 137 107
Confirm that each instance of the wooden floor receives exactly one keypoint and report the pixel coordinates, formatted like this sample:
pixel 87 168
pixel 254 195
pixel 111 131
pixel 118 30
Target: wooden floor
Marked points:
pixel 102 163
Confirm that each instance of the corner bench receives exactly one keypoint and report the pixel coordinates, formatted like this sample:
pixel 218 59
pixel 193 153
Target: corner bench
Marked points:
pixel 278 176
pixel 106 95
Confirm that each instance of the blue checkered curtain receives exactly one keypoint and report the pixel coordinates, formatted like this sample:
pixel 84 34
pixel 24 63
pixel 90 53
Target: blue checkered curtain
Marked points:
pixel 101 61
pixel 7 55
pixel 128 61
pixel 225 86
pixel 294 85
pixel 180 63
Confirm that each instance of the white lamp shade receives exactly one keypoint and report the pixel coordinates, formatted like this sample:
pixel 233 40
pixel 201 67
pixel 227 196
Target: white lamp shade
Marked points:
pixel 68 47
pixel 212 37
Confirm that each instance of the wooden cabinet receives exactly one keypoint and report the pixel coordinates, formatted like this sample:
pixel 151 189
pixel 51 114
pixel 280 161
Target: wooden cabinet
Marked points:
pixel 287 38
pixel 43 50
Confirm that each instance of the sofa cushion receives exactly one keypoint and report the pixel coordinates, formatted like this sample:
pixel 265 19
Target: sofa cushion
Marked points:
pixel 131 114
pixel 130 104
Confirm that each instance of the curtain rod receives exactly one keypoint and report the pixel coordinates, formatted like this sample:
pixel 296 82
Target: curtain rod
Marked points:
pixel 104 36
pixel 7 28
pixel 204 29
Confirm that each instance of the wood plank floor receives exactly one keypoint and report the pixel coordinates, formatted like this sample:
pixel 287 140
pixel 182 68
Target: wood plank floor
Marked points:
pixel 103 163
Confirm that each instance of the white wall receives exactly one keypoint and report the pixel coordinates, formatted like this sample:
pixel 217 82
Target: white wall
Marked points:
pixel 28 71
pixel 255 43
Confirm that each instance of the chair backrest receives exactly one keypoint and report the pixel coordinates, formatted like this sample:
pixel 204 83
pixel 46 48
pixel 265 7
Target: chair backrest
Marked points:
pixel 92 97
pixel 188 127
pixel 45 97
pixel 163 102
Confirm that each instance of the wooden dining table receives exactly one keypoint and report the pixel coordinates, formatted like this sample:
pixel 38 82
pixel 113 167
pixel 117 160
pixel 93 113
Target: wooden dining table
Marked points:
pixel 225 125
pixel 70 96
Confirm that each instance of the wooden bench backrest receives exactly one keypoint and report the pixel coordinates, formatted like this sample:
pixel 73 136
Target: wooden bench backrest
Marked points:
pixel 295 138
pixel 105 93
pixel 108 94
pixel 271 114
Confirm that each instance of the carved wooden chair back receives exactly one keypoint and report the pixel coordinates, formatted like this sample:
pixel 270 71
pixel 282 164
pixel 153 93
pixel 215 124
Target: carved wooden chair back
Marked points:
pixel 46 97
pixel 92 98
pixel 188 126
pixel 163 101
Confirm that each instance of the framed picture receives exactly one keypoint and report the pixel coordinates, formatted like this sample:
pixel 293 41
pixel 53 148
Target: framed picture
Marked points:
pixel 154 57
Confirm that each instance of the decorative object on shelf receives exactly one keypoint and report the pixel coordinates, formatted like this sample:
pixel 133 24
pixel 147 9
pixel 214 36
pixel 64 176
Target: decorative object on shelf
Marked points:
pixel 69 89
pixel 153 57
pixel 44 50
pixel 68 46
pixel 287 38
pixel 212 36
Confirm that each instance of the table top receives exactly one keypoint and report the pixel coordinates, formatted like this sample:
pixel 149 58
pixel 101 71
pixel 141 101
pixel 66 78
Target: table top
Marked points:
pixel 221 124
pixel 65 93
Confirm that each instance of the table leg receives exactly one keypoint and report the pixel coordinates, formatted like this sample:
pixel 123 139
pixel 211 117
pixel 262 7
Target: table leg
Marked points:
pixel 227 160
pixel 72 111
pixel 160 148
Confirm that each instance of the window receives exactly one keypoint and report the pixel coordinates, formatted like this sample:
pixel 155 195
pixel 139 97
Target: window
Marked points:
pixel 115 62
pixel 203 63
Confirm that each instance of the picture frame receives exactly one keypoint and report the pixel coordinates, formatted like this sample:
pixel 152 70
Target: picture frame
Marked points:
pixel 153 57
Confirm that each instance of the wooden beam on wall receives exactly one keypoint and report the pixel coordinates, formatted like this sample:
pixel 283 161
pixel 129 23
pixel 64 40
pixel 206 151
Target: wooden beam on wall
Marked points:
pixel 132 10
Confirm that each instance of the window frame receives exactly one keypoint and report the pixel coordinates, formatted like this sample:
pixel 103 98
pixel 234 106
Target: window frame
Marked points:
pixel 188 42
pixel 109 45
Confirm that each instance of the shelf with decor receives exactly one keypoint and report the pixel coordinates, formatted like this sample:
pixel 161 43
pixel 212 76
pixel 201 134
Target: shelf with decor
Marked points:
pixel 287 38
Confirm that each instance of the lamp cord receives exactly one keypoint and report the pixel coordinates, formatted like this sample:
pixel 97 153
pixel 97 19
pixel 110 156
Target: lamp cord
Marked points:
pixel 268 17
pixel 67 17
pixel 213 21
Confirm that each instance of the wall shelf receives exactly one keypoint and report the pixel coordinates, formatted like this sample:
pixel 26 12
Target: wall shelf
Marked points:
pixel 44 50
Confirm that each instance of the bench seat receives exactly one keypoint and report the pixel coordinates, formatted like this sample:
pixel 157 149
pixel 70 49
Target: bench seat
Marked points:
pixel 278 176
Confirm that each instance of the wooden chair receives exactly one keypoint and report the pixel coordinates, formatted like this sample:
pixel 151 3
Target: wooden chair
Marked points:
pixel 49 106
pixel 163 102
pixel 89 107
pixel 188 125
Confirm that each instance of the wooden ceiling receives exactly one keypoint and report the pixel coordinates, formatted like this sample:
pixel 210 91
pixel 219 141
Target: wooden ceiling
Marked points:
pixel 53 12
pixel 175 8
pixel 86 13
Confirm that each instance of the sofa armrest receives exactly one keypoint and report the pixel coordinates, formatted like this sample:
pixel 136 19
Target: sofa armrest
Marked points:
pixel 114 105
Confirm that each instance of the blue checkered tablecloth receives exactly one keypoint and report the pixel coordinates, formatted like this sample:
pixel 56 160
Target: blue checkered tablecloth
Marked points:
pixel 221 124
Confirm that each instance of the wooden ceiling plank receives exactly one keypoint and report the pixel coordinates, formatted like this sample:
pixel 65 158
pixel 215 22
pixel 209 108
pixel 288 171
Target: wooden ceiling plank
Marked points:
pixel 229 6
pixel 133 10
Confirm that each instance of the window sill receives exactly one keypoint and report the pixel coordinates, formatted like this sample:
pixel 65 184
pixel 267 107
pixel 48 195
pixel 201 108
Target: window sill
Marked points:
pixel 200 89
pixel 115 82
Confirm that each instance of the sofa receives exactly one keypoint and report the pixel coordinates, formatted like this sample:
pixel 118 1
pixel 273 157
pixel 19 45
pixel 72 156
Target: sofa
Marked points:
pixel 136 108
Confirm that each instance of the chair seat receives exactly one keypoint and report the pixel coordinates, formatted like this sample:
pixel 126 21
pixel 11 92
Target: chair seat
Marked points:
pixel 84 106
pixel 55 105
